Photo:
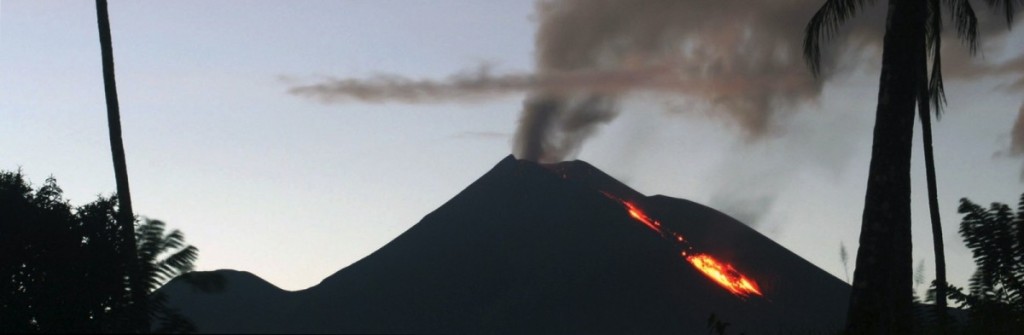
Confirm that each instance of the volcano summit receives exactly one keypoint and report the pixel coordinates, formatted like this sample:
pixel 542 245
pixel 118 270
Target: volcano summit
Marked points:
pixel 559 248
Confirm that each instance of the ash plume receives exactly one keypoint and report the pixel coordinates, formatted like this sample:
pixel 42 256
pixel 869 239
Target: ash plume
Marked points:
pixel 737 62
pixel 747 73
pixel 741 59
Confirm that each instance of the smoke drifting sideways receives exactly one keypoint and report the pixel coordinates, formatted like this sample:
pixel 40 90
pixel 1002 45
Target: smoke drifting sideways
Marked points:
pixel 741 59
pixel 735 61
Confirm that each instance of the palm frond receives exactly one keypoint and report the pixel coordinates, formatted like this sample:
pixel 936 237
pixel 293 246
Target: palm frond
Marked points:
pixel 1008 7
pixel 153 243
pixel 824 25
pixel 965 22
pixel 178 263
pixel 936 92
pixel 174 240
pixel 173 266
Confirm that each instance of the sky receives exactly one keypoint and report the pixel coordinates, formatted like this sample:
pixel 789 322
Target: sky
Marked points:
pixel 292 138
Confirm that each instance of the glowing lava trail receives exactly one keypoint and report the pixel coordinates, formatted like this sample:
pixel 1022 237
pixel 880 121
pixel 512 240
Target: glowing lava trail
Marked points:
pixel 724 274
pixel 639 215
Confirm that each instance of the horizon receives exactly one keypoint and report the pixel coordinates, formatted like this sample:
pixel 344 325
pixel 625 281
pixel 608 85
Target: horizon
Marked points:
pixel 217 146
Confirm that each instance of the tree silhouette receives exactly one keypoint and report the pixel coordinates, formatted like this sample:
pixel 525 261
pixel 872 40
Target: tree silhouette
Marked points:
pixel 165 256
pixel 995 300
pixel 881 298
pixel 62 269
pixel 913 34
pixel 126 217
pixel 933 94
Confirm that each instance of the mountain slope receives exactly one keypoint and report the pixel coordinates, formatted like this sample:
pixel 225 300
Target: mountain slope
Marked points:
pixel 247 304
pixel 531 248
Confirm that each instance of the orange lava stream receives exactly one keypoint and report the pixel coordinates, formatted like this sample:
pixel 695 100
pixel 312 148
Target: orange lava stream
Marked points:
pixel 639 215
pixel 724 274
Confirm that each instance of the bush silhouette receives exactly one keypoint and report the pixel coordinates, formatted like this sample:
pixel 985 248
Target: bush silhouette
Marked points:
pixel 61 268
pixel 995 294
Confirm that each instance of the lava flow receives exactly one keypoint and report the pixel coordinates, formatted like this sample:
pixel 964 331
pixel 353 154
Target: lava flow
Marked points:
pixel 722 273
pixel 639 215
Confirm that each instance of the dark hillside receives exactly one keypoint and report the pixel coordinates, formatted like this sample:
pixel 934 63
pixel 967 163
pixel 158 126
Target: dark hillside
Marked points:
pixel 531 248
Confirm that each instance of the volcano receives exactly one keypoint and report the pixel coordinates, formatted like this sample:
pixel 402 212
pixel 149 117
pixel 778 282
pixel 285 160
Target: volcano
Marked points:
pixel 559 248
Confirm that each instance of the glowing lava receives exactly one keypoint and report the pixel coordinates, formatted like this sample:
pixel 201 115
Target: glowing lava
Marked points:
pixel 724 274
pixel 639 215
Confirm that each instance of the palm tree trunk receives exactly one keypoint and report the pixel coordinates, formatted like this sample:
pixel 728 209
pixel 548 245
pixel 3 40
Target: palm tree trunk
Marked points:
pixel 881 301
pixel 924 113
pixel 933 206
pixel 126 218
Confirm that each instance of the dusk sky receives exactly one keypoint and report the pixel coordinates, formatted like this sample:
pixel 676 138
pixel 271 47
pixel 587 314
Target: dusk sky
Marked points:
pixel 292 138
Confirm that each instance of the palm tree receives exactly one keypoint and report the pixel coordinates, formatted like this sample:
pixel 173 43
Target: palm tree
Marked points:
pixel 165 256
pixel 126 218
pixel 881 299
pixel 932 93
pixel 922 24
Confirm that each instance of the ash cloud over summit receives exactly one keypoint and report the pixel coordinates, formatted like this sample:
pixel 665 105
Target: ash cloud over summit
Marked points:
pixel 741 60
pixel 734 61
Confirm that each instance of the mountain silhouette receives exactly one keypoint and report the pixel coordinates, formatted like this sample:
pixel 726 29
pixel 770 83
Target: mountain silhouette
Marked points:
pixel 532 248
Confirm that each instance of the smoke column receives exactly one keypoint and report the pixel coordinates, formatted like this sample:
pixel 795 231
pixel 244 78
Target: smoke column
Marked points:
pixel 749 74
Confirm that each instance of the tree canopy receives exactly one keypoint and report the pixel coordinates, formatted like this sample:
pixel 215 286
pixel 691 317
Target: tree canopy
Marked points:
pixel 61 267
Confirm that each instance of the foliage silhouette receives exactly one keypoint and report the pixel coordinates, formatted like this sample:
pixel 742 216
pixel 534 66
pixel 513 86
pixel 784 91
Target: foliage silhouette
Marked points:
pixel 165 256
pixel 716 325
pixel 49 254
pixel 995 297
pixel 62 269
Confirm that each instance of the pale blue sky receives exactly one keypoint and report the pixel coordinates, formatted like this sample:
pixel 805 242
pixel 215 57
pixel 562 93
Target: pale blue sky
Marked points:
pixel 293 190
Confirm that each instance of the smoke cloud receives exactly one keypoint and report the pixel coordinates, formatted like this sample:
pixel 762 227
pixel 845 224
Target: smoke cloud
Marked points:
pixel 740 61
pixel 744 67
pixel 478 84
